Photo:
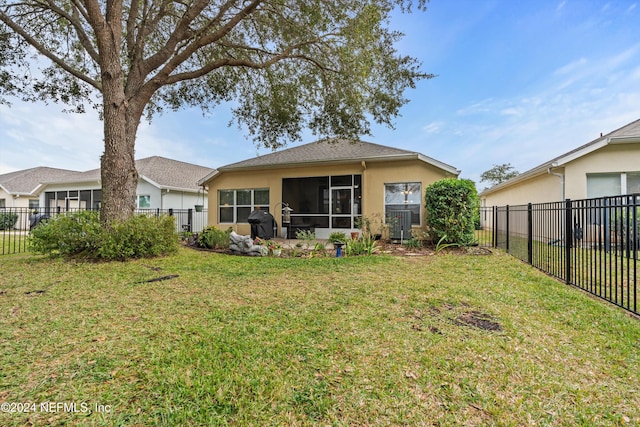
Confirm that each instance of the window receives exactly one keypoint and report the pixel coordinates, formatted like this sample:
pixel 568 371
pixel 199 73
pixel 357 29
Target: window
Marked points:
pixel 236 205
pixel 612 184
pixel 633 183
pixel 3 203
pixel 143 202
pixel 34 204
pixel 404 196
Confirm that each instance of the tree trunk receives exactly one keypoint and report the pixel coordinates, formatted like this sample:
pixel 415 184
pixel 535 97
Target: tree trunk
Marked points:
pixel 118 169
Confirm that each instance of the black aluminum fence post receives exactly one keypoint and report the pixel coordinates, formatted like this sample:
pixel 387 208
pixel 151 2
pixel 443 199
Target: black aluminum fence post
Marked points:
pixel 568 240
pixel 494 234
pixel 530 233
pixel 507 235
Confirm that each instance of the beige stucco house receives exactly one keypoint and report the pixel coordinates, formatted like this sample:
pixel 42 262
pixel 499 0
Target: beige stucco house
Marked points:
pixel 606 166
pixel 328 184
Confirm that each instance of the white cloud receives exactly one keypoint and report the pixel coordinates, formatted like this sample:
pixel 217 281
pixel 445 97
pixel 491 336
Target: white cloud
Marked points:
pixel 433 127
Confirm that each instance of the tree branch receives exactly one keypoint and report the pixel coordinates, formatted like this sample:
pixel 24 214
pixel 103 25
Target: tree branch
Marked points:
pixel 45 52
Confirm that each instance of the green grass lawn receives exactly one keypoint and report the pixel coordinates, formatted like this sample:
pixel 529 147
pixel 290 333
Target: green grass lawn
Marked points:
pixel 440 340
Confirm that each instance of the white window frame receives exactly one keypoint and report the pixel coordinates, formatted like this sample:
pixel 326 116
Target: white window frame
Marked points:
pixel 419 192
pixel 235 204
pixel 139 197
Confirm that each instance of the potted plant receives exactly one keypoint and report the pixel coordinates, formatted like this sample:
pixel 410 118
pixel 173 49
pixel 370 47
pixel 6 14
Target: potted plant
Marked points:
pixel 275 247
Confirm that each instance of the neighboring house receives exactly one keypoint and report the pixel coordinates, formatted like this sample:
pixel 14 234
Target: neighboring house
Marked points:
pixel 163 184
pixel 606 166
pixel 22 189
pixel 329 185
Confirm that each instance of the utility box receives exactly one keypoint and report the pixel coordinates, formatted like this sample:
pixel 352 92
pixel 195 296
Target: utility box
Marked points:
pixel 400 224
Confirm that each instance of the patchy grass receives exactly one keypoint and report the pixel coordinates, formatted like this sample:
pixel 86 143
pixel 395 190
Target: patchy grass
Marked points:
pixel 223 340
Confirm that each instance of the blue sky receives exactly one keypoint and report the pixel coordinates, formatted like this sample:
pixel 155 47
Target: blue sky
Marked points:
pixel 518 81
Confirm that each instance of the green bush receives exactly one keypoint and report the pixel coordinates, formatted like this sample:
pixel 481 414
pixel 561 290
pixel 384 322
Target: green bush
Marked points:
pixel 452 210
pixel 214 238
pixel 80 234
pixel 74 234
pixel 338 236
pixel 8 220
pixel 362 246
pixel 139 237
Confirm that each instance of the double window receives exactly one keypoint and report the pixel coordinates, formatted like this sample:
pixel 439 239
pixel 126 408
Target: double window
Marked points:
pixel 612 184
pixel 403 196
pixel 236 205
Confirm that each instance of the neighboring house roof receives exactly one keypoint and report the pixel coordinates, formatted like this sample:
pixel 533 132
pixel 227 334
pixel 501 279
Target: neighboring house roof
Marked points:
pixel 159 171
pixel 27 182
pixel 171 174
pixel 629 133
pixel 330 151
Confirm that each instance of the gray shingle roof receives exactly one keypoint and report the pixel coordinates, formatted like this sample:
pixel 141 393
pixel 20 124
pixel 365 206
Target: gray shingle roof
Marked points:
pixel 173 174
pixel 27 181
pixel 333 151
pixel 166 173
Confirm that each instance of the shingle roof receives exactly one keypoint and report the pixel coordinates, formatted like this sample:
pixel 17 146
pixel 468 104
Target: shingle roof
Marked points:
pixel 173 174
pixel 27 181
pixel 165 173
pixel 333 151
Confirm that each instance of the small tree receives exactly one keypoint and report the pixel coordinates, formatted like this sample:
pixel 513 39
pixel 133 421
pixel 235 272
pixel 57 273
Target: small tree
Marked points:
pixel 452 208
pixel 498 174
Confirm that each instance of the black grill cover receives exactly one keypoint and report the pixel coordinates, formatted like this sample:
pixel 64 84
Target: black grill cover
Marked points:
pixel 262 224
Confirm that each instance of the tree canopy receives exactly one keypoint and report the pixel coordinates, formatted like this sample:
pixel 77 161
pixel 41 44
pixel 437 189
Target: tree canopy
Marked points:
pixel 329 66
pixel 498 174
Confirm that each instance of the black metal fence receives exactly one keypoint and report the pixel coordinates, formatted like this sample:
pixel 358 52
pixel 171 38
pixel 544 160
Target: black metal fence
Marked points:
pixel 593 244
pixel 15 223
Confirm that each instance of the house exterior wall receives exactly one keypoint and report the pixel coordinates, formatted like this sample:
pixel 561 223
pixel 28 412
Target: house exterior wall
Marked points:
pixel 538 189
pixel 374 176
pixel 612 158
pixel 380 173
pixel 11 201
pixel 16 202
pixel 182 200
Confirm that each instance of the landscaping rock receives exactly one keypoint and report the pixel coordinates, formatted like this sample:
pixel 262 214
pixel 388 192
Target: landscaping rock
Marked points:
pixel 243 245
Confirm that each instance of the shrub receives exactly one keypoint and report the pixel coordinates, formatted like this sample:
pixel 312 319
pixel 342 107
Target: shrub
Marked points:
pixel 81 235
pixel 139 237
pixel 214 238
pixel 363 246
pixel 8 220
pixel 76 234
pixel 338 236
pixel 307 236
pixel 452 209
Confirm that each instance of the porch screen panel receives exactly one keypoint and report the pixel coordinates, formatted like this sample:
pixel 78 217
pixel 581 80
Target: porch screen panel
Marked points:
pixel 307 195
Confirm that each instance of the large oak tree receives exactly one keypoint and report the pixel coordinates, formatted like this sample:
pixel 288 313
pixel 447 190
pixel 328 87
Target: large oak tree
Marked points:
pixel 287 65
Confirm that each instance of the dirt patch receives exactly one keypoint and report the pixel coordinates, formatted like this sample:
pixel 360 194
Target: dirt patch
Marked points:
pixel 436 317
pixel 478 320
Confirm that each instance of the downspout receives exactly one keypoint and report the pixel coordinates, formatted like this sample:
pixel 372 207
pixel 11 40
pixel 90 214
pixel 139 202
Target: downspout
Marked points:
pixel 561 176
